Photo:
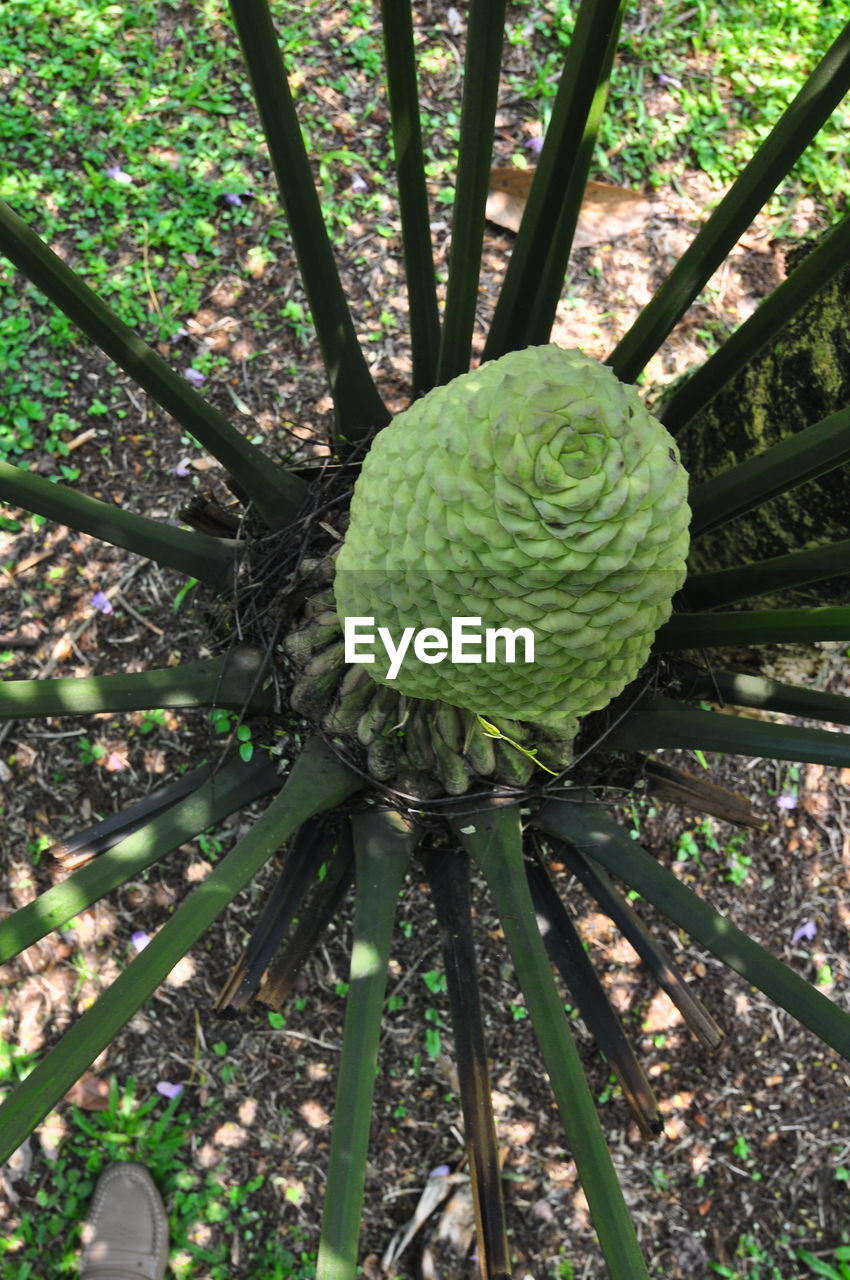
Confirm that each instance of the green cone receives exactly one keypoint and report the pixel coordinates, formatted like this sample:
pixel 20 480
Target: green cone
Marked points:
pixel 534 492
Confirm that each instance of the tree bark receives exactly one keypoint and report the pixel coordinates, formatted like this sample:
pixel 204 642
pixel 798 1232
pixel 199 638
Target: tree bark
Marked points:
pixel 802 379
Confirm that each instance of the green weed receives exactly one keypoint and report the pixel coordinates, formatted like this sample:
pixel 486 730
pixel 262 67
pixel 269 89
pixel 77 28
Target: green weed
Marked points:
pixel 156 1133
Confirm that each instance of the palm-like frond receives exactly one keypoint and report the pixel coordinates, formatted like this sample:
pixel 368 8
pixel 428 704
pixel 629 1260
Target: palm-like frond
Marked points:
pixel 373 825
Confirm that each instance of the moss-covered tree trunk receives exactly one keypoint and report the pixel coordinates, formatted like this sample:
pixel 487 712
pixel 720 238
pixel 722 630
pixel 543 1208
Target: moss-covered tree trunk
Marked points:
pixel 805 377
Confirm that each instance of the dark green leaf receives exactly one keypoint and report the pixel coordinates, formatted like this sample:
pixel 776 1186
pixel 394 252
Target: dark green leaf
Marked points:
pixel 758 626
pixel 653 955
pixel 232 787
pixel 448 877
pixel 493 837
pixel 762 328
pixel 574 965
pixel 358 406
pixel 597 836
pixel 318 781
pixel 412 195
pixel 757 691
pixel 766 577
pixel 665 723
pixel 277 494
pixel 210 559
pixel 810 453
pixel 482 68
pixel 539 258
pixel 228 681
pixel 383 844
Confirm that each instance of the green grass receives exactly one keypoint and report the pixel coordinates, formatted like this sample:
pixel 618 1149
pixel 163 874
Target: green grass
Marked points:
pixel 782 1261
pixel 131 126
pixel 724 83
pixel 158 93
pixel 155 1133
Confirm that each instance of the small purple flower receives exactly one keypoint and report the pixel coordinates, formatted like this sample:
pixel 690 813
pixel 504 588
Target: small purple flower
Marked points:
pixel 194 377
pixel 233 199
pixel 786 801
pixel 807 931
pixel 101 602
pixel 440 1171
pixel 169 1090
pixel 358 184
pixel 140 939
pixel 535 145
pixel 117 174
pixel 182 469
pixel 179 333
pixel 668 81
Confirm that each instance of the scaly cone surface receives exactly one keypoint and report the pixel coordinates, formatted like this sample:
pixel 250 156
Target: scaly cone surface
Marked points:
pixel 535 492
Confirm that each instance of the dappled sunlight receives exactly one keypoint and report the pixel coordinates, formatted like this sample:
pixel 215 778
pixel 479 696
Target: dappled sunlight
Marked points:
pixel 182 973
pixel 231 1134
pixel 201 1235
pixel 51 1133
pixel 674 1110
pixel 224 682
pixel 365 960
pixel 314 1114
pixel 661 1015
pixel 208 1155
pixel 248 1111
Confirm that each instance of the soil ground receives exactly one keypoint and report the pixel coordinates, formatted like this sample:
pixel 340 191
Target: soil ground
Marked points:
pixel 756 1141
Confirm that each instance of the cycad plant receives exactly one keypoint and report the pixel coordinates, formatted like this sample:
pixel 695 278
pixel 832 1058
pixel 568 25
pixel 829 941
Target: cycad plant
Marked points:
pixel 533 495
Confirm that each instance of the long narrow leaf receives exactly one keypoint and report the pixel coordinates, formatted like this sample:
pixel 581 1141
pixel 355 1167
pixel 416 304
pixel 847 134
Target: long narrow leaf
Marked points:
pixel 698 793
pixel 765 577
pixel 227 681
pixel 743 690
pixel 318 781
pixel 762 328
pixel 383 844
pixel 483 64
pixel 106 833
pixel 211 560
pixel 567 952
pixel 665 723
pixel 358 406
pixel 493 837
pixel 597 836
pixel 652 954
pixel 300 867
pixel 810 453
pixel 793 132
pixel 412 196
pixel 326 900
pixel 542 313
pixel 234 786
pixel 758 626
pixel 559 179
pixel 448 878
pixel 277 494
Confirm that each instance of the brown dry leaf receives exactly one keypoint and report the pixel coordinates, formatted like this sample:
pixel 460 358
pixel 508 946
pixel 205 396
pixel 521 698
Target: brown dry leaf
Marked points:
pixel 31 561
pixel 25 756
pixel 117 756
pixel 817 804
pixel 606 211
pixel 62 649
pixel 89 1094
